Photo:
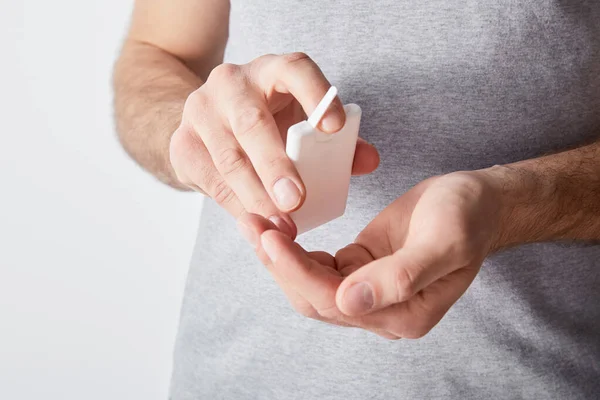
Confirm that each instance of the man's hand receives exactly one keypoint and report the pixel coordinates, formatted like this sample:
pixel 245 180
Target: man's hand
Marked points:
pixel 196 123
pixel 230 144
pixel 425 248
pixel 405 269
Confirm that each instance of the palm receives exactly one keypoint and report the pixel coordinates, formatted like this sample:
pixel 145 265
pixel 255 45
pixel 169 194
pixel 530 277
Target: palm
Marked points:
pixel 419 254
pixel 445 211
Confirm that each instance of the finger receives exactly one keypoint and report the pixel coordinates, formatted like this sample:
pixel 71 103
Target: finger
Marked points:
pixel 194 167
pixel 256 131
pixel 351 258
pixel 308 278
pixel 304 308
pixel 392 279
pixel 414 318
pixel 299 75
pixel 324 258
pixel 366 158
pixel 231 161
pixel 252 226
pixel 298 303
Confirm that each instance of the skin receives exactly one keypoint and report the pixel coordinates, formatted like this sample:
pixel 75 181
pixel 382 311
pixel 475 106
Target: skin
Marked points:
pixel 419 255
pixel 198 124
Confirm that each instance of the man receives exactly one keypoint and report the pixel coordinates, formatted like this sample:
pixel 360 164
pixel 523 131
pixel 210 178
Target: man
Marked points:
pixel 478 233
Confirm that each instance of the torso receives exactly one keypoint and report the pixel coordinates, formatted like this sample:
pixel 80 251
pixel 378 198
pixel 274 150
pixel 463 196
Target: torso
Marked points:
pixel 444 85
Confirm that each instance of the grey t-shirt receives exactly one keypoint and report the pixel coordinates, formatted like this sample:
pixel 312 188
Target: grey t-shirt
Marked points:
pixel 445 85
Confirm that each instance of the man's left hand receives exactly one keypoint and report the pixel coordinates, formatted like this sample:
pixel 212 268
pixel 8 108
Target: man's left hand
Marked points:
pixel 405 269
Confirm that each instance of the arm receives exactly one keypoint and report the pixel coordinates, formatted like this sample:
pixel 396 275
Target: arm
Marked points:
pixel 195 122
pixel 419 255
pixel 550 198
pixel 170 49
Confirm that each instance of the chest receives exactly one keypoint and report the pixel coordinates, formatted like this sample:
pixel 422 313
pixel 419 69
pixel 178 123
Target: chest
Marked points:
pixel 463 84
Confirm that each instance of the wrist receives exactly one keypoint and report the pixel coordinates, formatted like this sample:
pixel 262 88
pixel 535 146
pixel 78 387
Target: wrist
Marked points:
pixel 525 203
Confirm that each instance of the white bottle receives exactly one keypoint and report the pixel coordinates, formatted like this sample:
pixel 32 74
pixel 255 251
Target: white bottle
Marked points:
pixel 324 162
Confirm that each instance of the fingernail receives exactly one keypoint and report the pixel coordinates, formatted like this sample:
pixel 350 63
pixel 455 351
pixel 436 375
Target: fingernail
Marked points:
pixel 269 248
pixel 358 298
pixel 333 120
pixel 282 225
pixel 248 234
pixel 286 193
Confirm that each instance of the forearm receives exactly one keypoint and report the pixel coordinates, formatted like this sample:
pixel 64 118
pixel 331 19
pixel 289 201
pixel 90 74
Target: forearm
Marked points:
pixel 555 197
pixel 151 87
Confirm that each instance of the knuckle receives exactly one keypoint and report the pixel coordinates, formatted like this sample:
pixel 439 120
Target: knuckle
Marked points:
pixel 247 120
pixel 195 102
pixel 197 106
pixel 231 161
pixel 194 187
pixel 296 56
pixel 184 180
pixel 417 332
pixel 330 313
pixel 262 59
pixel 306 310
pixel 276 163
pixel 222 193
pixel 394 327
pixel 404 285
pixel 260 67
pixel 225 72
pixel 178 145
pixel 180 148
pixel 261 206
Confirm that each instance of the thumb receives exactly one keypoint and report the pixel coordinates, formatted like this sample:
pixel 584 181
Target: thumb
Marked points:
pixel 366 158
pixel 390 280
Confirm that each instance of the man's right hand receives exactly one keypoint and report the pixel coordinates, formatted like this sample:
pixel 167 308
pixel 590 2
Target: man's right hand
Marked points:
pixel 230 144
